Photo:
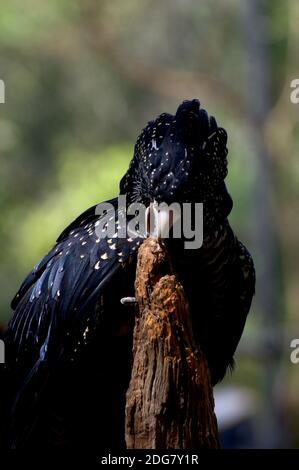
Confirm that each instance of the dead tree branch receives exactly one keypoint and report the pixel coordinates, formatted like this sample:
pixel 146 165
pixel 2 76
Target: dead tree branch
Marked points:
pixel 169 401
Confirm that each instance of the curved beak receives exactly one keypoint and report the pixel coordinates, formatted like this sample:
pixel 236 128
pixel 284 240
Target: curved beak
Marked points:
pixel 159 218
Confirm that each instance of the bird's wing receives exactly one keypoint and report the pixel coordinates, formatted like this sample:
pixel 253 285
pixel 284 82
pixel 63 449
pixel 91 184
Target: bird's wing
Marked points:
pixel 244 289
pixel 232 279
pixel 53 308
pixel 57 294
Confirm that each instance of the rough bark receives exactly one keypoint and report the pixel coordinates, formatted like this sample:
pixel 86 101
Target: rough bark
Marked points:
pixel 170 401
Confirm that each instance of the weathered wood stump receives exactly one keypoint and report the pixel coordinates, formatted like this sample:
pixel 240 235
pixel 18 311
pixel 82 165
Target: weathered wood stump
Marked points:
pixel 170 401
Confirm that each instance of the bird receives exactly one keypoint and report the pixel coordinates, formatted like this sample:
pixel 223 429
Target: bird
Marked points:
pixel 69 340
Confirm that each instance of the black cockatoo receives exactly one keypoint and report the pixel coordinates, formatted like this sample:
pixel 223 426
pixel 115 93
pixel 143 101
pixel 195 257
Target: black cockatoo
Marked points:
pixel 68 344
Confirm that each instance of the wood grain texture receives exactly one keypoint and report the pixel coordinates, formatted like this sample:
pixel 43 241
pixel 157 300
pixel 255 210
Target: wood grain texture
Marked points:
pixel 170 401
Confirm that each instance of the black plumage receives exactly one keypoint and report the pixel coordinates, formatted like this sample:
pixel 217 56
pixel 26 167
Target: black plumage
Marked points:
pixel 69 340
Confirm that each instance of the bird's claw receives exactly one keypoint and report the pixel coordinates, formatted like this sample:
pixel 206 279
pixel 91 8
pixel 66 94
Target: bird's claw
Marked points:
pixel 128 301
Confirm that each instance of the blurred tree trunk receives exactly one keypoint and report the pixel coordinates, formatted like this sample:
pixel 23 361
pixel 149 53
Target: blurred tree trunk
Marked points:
pixel 170 401
pixel 266 248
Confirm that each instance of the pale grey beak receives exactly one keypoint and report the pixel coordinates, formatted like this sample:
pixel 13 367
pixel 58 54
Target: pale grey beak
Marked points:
pixel 159 218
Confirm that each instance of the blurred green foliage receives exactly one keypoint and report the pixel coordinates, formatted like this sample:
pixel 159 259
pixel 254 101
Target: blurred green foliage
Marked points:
pixel 79 180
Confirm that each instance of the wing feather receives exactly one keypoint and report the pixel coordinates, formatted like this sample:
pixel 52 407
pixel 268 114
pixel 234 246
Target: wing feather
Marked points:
pixel 61 289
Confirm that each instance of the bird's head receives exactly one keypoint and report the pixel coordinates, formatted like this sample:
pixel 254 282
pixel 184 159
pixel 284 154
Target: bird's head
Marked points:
pixel 180 158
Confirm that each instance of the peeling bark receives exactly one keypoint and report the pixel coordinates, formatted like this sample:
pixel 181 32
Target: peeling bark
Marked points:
pixel 170 401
